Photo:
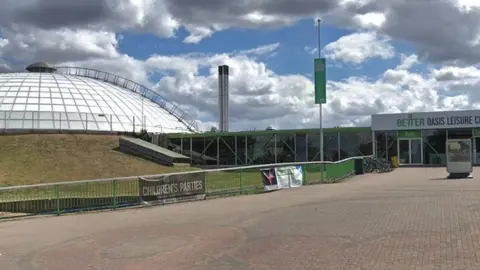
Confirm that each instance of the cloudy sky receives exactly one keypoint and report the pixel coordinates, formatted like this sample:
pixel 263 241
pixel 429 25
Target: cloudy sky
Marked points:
pixel 382 55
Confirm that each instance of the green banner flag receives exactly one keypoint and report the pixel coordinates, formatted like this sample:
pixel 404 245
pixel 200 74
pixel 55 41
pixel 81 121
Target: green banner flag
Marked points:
pixel 320 81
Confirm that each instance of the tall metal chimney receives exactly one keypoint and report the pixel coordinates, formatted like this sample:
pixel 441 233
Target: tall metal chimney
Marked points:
pixel 223 96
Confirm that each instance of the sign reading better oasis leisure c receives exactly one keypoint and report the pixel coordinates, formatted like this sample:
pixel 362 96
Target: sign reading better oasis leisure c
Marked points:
pixel 426 120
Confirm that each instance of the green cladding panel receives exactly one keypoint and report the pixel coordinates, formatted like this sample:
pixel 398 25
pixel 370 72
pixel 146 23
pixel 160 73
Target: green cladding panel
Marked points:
pixel 407 134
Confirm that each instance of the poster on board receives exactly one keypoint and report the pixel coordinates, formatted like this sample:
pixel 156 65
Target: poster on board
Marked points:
pixel 269 178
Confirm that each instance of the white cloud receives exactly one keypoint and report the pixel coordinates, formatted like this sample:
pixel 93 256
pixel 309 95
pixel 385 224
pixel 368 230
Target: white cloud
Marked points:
pixel 408 61
pixel 262 50
pixel 3 43
pixel 467 5
pixel 197 34
pixel 450 73
pixel 84 33
pixel 57 45
pixel 413 21
pixel 260 97
pixel 310 50
pixel 356 48
pixel 371 20
pixel 416 22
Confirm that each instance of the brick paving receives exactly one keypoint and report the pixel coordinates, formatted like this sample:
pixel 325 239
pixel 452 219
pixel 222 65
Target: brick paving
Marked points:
pixel 411 218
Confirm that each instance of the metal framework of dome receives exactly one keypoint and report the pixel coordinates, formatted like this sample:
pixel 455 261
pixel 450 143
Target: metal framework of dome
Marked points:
pixel 73 98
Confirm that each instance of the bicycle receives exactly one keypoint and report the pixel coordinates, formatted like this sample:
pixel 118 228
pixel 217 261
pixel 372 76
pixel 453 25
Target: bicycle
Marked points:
pixel 379 165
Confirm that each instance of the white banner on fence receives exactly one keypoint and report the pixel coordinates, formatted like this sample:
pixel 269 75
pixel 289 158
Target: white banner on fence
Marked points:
pixel 282 177
pixel 289 177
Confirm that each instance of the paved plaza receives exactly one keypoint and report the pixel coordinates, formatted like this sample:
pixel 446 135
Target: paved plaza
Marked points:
pixel 411 218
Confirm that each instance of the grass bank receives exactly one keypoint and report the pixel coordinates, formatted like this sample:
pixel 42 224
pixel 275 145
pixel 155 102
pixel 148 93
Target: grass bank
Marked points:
pixel 46 158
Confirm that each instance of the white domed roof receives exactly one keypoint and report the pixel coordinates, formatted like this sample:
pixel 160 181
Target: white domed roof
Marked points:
pixel 83 99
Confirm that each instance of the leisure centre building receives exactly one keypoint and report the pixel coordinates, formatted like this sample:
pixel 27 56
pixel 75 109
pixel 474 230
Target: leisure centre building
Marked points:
pixel 415 138
pixel 73 99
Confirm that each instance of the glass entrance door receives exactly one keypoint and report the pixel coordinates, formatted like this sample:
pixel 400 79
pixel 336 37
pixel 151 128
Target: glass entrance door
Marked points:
pixel 476 158
pixel 404 151
pixel 410 151
pixel 416 151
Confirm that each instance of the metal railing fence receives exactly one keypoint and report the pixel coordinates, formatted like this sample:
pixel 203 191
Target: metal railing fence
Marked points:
pixel 78 196
pixel 95 122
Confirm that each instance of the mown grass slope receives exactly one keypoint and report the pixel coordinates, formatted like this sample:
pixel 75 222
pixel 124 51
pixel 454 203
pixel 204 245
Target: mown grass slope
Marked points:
pixel 47 158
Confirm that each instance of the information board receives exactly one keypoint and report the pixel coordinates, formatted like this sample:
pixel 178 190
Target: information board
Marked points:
pixel 459 156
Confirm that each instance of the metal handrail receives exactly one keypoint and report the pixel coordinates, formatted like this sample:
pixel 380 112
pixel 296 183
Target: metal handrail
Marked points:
pixel 144 91
pixel 127 178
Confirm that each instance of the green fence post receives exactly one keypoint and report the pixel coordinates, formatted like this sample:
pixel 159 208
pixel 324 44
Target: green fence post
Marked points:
pixel 57 198
pixel 139 198
pixel 88 201
pixel 206 183
pixel 322 171
pixel 241 181
pixel 304 168
pixel 114 192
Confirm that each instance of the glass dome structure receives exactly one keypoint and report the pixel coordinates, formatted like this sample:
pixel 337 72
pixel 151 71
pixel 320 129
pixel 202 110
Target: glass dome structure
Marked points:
pixel 71 98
